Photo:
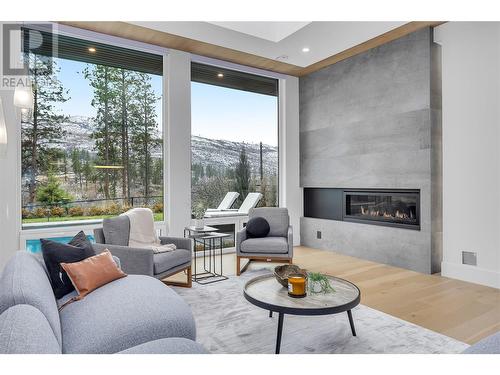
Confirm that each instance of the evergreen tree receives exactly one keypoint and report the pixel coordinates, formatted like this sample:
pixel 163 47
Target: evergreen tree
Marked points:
pixel 274 192
pixel 144 135
pixel 42 126
pixel 65 166
pixel 77 166
pixel 100 78
pixel 87 170
pixel 242 175
pixel 52 192
pixel 124 81
pixel 266 193
pixel 196 172
pixel 157 178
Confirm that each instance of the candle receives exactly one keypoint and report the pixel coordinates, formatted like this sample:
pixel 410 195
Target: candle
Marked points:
pixel 297 286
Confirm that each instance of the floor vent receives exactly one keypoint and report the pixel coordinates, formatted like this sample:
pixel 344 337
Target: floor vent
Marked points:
pixel 469 258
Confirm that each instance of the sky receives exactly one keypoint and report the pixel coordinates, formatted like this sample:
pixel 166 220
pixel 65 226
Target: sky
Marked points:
pixel 216 112
pixel 235 115
pixel 80 92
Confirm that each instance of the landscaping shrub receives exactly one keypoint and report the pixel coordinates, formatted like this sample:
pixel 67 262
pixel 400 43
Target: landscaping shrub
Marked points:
pixel 95 211
pixel 76 211
pixel 125 208
pixel 157 208
pixel 40 212
pixel 113 209
pixel 26 214
pixel 57 211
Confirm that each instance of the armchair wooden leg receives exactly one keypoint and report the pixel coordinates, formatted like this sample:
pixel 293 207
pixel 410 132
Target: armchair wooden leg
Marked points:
pixel 238 270
pixel 190 277
pixel 187 284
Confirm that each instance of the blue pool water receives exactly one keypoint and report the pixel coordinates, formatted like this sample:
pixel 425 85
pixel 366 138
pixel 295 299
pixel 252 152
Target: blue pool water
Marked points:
pixel 35 246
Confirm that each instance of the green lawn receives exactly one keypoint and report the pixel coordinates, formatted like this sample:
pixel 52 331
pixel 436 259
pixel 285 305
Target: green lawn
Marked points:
pixel 158 217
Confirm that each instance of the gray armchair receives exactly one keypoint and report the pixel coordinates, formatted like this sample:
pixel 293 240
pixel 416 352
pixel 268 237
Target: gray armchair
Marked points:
pixel 276 247
pixel 114 236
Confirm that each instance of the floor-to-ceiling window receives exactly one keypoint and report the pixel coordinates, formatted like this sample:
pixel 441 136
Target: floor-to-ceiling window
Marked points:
pixel 92 145
pixel 234 140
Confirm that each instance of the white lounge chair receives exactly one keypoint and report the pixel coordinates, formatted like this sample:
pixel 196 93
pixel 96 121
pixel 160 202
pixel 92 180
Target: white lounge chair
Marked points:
pixel 250 202
pixel 226 203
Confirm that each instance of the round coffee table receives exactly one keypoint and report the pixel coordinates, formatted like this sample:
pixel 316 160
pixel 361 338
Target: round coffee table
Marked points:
pixel 265 292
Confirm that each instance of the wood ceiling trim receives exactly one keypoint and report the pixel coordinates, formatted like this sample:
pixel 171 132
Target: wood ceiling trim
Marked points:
pixel 159 38
pixel 387 37
pixel 167 40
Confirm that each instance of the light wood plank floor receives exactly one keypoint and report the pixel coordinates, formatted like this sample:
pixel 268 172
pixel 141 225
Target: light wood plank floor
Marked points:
pixel 465 311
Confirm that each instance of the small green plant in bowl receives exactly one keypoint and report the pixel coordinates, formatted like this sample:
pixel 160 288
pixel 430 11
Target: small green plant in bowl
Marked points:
pixel 319 283
pixel 198 215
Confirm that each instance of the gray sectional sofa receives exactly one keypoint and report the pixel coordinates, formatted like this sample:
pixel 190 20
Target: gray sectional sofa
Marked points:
pixel 135 314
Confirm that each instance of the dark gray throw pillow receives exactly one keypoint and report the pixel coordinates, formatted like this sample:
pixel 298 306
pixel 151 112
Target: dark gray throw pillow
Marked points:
pixel 80 240
pixel 54 253
pixel 116 230
pixel 257 227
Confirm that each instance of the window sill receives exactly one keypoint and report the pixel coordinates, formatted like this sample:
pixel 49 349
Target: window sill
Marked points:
pixel 83 224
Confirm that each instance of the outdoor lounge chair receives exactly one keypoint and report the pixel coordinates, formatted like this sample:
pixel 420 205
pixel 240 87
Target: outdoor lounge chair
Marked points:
pixel 250 202
pixel 226 203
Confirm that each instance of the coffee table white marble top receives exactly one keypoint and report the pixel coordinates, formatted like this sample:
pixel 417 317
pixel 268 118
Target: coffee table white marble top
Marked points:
pixel 265 291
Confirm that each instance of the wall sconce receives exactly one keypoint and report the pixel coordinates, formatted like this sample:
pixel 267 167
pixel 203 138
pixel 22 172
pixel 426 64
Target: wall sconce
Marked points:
pixel 3 132
pixel 23 97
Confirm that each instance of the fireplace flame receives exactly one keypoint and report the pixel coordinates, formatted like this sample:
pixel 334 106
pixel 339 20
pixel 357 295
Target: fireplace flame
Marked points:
pixel 397 215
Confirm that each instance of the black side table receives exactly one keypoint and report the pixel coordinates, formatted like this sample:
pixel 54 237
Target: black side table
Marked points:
pixel 210 241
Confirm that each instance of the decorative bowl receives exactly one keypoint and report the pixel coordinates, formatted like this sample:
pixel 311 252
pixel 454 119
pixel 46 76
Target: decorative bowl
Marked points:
pixel 282 273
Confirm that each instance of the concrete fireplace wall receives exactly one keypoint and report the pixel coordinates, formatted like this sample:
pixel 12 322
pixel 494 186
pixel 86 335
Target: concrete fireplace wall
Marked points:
pixel 374 121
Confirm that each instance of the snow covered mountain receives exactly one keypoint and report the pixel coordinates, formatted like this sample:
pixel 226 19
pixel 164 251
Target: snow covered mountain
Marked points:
pixel 78 130
pixel 225 154
pixel 217 153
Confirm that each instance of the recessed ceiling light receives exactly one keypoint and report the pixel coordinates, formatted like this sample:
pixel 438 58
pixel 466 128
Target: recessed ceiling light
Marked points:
pixel 305 49
pixel 91 49
pixel 220 75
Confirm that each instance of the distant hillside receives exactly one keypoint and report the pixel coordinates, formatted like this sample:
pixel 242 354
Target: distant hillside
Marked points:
pixel 217 153
pixel 78 130
pixel 225 154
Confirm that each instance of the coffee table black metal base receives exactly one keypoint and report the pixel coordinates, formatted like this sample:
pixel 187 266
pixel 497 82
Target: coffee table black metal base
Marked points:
pixel 264 292
pixel 281 318
pixel 351 322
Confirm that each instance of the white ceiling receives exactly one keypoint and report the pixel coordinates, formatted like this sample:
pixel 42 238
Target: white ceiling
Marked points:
pixel 279 40
pixel 272 31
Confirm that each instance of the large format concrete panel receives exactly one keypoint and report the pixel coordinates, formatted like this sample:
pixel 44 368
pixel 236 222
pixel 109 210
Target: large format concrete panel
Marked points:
pixel 373 121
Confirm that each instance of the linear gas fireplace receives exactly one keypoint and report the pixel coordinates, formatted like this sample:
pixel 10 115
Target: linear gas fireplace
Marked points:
pixel 395 208
pixel 399 208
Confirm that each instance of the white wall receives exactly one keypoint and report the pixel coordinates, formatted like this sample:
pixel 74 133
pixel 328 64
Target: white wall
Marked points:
pixel 178 145
pixel 290 190
pixel 10 221
pixel 471 149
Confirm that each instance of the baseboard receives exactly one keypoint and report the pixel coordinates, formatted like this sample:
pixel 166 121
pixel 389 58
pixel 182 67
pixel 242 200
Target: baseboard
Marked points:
pixel 471 274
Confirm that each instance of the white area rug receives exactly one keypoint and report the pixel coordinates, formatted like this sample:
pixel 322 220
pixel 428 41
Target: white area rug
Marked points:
pixel 227 323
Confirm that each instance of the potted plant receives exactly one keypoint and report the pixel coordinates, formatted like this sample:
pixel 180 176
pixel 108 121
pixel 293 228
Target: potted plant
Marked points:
pixel 199 214
pixel 319 283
